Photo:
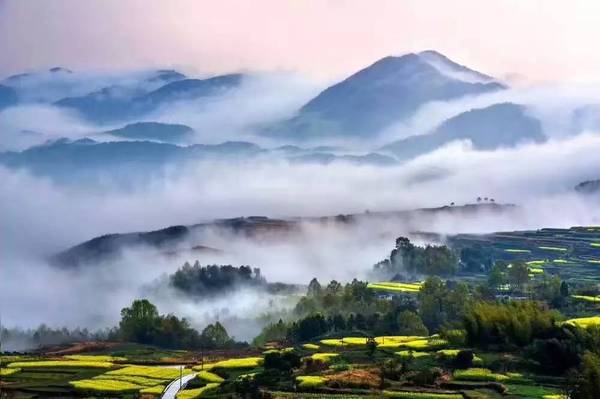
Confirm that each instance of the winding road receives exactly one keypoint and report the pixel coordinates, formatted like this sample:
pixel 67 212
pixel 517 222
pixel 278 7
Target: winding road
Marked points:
pixel 174 386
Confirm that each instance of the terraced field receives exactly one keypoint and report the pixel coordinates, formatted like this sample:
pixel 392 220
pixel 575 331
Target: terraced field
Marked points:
pixel 573 254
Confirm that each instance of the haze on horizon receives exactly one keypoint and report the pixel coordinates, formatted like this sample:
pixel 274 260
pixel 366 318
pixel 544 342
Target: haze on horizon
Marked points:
pixel 534 41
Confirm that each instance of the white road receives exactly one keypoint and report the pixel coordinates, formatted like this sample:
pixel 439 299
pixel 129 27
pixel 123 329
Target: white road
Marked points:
pixel 173 387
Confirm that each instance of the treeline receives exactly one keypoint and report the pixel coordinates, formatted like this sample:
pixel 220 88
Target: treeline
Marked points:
pixel 354 308
pixel 17 339
pixel 334 298
pixel 407 261
pixel 141 323
pixel 209 280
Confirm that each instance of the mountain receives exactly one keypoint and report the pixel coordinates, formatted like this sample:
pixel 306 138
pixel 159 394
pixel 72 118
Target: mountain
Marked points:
pixel 117 103
pixel 325 158
pixel 8 97
pixel 588 187
pixel 90 162
pixel 180 238
pixel 187 89
pixel 499 125
pixel 388 91
pixel 156 131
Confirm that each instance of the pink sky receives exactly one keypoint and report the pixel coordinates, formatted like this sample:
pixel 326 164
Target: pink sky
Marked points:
pixel 542 40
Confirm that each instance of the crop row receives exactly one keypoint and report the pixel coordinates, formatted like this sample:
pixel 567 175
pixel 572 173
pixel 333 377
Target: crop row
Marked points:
pixel 61 364
pixel 196 393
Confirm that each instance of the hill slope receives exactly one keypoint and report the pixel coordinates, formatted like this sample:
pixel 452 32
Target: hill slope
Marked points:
pixel 499 125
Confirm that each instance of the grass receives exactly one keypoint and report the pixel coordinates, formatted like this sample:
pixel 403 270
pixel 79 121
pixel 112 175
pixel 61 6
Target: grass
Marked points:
pixel 7 372
pixel 196 393
pixel 425 344
pixel 415 354
pixel 325 357
pixel 61 364
pixel 536 263
pixel 155 390
pixel 312 347
pixel 558 249
pixel 584 322
pixel 96 358
pixel 310 381
pixel 135 379
pixel 150 371
pixel 392 341
pixel 396 287
pixel 479 374
pixel 421 395
pixel 536 270
pixel 100 385
pixel 210 377
pixel 586 298
pixel 241 363
pixel 532 392
pixel 310 395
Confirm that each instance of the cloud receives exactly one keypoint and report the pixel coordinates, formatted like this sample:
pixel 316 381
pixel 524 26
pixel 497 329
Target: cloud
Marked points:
pixel 238 114
pixel 41 218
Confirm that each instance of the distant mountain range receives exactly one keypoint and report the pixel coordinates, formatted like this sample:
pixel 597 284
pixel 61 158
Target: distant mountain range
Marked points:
pixel 388 91
pixel 356 109
pixel 117 104
pixel 163 132
pixel 89 161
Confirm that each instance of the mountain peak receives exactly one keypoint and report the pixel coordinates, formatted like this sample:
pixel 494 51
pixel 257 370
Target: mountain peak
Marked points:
pixel 453 69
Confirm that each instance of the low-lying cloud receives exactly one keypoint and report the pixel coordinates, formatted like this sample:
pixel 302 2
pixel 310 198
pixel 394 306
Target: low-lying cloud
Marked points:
pixel 41 218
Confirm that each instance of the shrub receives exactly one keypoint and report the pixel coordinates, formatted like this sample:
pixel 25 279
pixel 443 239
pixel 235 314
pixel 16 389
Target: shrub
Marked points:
pixel 463 359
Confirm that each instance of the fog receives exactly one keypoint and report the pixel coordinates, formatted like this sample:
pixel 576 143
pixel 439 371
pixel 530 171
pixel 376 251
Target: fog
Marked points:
pixel 41 217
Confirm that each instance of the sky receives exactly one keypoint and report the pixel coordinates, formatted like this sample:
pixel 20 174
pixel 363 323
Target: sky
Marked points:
pixel 517 40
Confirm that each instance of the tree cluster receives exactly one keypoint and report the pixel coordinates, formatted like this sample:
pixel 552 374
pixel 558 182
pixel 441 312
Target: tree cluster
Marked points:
pixel 142 323
pixel 407 259
pixel 514 324
pixel 201 281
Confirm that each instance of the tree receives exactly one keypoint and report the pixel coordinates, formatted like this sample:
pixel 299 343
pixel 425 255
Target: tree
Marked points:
pixel 463 359
pixel 588 385
pixel 409 323
pixel 496 277
pixel 314 289
pixel 431 303
pixel 518 274
pixel 215 336
pixel 140 322
pixel 371 346
pixel 564 289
